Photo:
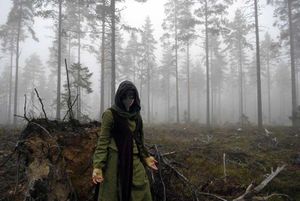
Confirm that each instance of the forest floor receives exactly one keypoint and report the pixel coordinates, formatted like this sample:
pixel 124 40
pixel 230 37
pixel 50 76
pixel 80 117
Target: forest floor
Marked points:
pixel 192 150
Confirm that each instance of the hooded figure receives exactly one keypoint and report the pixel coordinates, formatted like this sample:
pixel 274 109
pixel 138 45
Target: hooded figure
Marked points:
pixel 120 154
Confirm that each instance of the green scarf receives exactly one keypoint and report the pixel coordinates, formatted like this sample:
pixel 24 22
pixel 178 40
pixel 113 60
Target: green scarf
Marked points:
pixel 129 115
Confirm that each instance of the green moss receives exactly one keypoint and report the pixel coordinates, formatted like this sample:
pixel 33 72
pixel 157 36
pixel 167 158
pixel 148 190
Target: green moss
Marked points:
pixel 250 155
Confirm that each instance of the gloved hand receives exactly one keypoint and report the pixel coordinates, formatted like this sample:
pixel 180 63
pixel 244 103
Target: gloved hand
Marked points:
pixel 97 176
pixel 150 162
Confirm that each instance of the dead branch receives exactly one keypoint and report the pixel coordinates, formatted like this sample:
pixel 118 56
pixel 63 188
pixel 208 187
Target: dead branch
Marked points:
pixel 69 92
pixel 37 93
pixel 252 191
pixel 211 195
pixel 25 115
pixel 272 195
pixel 44 129
pixel 224 166
pixel 168 153
pixel 70 109
pixel 21 117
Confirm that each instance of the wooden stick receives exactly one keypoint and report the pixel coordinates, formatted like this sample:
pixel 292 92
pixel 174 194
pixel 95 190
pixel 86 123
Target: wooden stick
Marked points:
pixel 252 191
pixel 25 115
pixel 224 166
pixel 44 129
pixel 37 93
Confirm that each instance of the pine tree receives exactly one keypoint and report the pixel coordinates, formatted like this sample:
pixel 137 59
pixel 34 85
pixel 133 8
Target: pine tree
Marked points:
pixel 237 44
pixel 210 14
pixel 186 35
pixel 167 70
pixel 286 13
pixel 170 26
pixel 20 19
pixel 148 57
pixel 131 60
pixel 217 76
pixel 82 81
pixel 8 33
pixel 4 94
pixel 269 54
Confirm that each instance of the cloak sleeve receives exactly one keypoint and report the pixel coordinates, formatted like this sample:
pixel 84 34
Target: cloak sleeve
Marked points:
pixel 143 150
pixel 100 154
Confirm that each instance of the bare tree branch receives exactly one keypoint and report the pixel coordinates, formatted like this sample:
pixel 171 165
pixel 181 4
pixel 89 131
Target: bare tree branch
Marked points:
pixel 37 93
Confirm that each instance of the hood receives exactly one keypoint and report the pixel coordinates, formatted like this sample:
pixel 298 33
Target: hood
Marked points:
pixel 122 89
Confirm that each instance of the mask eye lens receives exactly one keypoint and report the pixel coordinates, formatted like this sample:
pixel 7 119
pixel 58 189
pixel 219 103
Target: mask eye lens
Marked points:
pixel 129 95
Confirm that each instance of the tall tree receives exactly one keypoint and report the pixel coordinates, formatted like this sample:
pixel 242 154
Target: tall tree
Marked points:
pixel 186 35
pixel 8 33
pixel 20 17
pixel 148 56
pixel 31 72
pixel 237 44
pixel 210 14
pixel 170 25
pixel 4 94
pixel 287 12
pixel 217 76
pixel 32 77
pixel 167 71
pixel 131 60
pixel 98 19
pixel 259 102
pixel 269 52
pixel 43 10
pixel 73 25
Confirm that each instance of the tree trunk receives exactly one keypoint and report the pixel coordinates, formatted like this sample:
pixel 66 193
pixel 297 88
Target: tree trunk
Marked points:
pixel 210 53
pixel 176 65
pixel 294 96
pixel 168 96
pixel 241 84
pixel 59 61
pixel 79 67
pixel 17 62
pixel 259 103
pixel 141 82
pixel 148 90
pixel 113 56
pixel 10 85
pixel 102 61
pixel 207 69
pixel 269 87
pixel 188 82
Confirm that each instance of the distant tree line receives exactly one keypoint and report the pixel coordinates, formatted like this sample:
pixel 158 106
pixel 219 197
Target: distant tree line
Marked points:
pixel 232 78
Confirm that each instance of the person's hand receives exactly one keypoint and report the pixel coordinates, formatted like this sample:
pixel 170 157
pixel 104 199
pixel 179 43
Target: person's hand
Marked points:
pixel 97 176
pixel 151 162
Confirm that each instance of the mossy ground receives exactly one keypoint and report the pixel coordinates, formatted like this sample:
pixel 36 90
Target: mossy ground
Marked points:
pixel 250 156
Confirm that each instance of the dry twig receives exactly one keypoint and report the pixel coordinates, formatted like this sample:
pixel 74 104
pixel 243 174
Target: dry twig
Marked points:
pixel 37 93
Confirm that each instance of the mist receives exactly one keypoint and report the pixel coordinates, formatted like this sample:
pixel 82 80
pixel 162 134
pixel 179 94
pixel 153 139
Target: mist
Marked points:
pixel 186 69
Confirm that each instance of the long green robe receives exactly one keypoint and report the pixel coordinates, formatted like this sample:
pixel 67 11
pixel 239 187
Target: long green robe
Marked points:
pixel 106 158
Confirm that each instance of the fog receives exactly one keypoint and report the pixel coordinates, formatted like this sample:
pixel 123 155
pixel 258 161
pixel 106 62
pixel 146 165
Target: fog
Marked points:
pixel 160 45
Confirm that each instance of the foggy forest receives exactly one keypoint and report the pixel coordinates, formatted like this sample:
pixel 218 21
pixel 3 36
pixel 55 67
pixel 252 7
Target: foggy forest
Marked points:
pixel 218 82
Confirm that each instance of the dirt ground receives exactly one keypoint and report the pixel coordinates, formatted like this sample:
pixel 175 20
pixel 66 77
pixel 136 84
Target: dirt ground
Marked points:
pixel 52 161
